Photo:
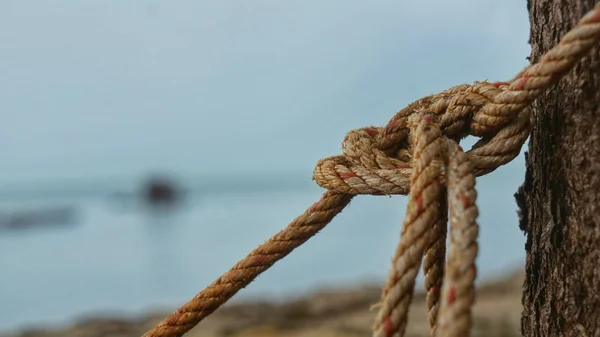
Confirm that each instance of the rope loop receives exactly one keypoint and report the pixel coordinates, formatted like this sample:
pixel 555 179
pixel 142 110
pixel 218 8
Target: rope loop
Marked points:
pixel 378 160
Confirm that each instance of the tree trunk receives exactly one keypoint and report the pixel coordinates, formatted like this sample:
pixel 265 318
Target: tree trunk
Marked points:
pixel 560 199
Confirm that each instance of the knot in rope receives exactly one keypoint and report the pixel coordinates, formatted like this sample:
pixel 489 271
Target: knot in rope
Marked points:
pixel 378 160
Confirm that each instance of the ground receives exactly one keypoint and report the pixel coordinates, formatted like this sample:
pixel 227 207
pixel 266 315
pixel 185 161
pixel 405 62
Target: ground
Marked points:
pixel 327 313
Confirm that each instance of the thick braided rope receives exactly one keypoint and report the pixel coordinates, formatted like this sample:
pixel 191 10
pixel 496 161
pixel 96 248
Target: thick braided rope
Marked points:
pixel 497 112
pixel 246 270
pixel 422 213
pixel 458 289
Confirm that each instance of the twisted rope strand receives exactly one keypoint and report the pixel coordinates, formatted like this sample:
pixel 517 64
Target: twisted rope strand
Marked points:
pixel 260 259
pixel 433 263
pixel 377 161
pixel 458 289
pixel 422 214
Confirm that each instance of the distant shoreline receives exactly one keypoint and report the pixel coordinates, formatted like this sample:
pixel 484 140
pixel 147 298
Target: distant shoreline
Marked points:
pixel 326 312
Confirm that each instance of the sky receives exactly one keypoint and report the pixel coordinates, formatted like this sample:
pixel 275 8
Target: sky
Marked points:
pixel 92 89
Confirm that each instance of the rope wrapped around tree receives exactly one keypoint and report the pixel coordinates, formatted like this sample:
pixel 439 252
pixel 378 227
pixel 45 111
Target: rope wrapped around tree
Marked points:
pixel 416 153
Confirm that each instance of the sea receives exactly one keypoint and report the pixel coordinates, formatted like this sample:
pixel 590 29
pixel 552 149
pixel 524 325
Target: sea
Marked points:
pixel 116 256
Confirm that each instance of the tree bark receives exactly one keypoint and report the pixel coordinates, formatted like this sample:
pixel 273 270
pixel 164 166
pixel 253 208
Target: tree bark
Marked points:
pixel 560 199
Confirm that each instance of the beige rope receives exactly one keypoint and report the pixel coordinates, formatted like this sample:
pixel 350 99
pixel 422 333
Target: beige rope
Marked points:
pixel 378 161
pixel 246 270
pixel 458 289
pixel 425 218
pixel 422 213
pixel 434 260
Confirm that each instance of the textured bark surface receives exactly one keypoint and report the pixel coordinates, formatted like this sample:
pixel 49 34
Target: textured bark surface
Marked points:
pixel 560 198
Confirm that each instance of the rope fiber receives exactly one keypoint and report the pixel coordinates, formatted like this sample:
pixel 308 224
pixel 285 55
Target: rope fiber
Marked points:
pixel 416 154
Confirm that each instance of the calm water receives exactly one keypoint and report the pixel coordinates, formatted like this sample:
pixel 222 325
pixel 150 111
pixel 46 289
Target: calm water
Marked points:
pixel 124 259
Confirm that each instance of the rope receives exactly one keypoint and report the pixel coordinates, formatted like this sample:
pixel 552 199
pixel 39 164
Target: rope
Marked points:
pixel 384 161
pixel 422 213
pixel 458 290
pixel 246 270
pixel 425 222
pixel 433 263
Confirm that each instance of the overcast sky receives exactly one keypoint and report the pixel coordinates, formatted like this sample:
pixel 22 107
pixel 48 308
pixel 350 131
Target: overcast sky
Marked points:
pixel 98 88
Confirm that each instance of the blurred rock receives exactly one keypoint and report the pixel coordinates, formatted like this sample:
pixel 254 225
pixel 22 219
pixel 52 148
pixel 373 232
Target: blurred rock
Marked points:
pixel 161 191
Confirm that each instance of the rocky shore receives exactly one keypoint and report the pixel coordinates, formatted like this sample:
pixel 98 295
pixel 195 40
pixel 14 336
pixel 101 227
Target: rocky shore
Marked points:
pixel 326 313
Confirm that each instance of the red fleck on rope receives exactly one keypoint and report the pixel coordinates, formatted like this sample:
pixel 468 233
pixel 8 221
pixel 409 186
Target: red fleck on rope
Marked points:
pixel 423 213
pixel 458 290
pixel 384 161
